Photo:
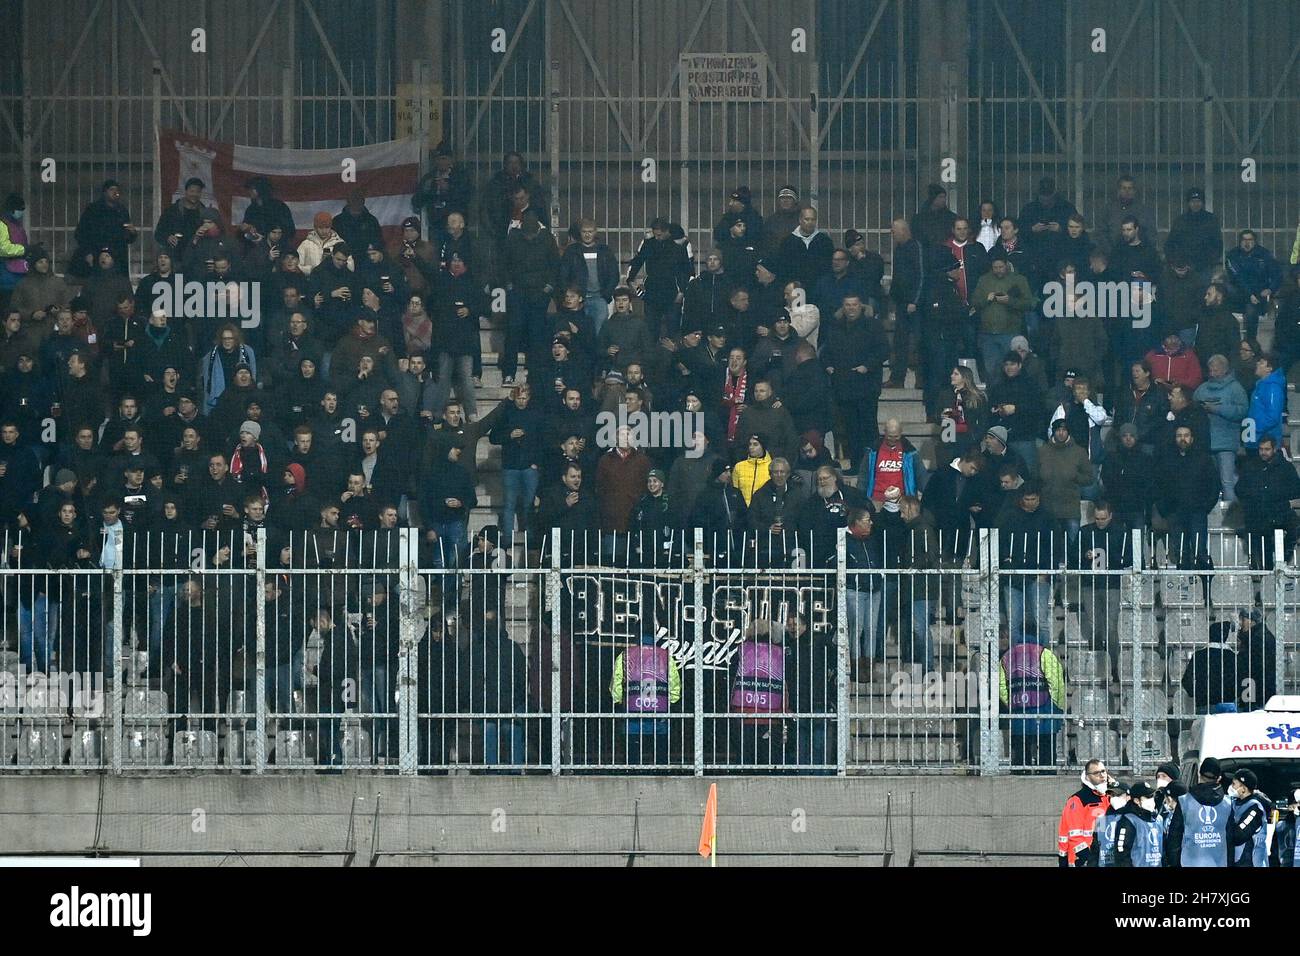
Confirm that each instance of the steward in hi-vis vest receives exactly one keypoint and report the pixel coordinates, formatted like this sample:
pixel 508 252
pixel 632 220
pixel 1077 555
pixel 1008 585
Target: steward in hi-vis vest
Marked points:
pixel 1140 834
pixel 1198 831
pixel 1250 812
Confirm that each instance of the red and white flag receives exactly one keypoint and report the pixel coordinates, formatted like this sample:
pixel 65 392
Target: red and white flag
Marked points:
pixel 308 180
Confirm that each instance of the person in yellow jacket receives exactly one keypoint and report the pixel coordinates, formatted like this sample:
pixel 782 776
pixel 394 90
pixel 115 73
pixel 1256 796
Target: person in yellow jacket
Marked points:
pixel 753 472
pixel 646 683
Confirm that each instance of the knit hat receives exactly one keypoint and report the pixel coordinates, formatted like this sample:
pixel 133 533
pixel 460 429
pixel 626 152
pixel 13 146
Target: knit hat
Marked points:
pixel 1170 770
pixel 252 428
pixel 1000 433
pixel 1247 777
pixel 852 237
pixel 1195 193
pixel 787 190
pixel 657 473
pixel 299 476
pixel 934 189
pixel 742 193
pixel 411 222
pixel 64 476
pixel 1018 343
pixel 1140 791
pixel 1210 768
pixel 1128 428
pixel 322 220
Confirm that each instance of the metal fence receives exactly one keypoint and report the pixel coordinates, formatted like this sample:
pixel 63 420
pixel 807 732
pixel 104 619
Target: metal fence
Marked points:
pixel 860 140
pixel 385 650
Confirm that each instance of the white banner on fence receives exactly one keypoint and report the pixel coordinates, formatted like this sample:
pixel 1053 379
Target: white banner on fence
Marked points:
pixel 720 77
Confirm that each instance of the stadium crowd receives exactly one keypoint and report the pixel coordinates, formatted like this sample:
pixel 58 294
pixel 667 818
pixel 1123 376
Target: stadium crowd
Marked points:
pixel 353 405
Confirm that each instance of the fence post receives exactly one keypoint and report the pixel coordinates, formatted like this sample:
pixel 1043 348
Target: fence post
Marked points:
pixel 1207 112
pixel 408 657
pixel 1281 572
pixel 156 146
pixel 697 579
pixel 1077 137
pixel 990 610
pixel 1133 638
pixel 287 139
pixel 814 140
pixel 553 138
pixel 259 687
pixel 843 721
pixel 554 595
pixel 684 162
pixel 115 700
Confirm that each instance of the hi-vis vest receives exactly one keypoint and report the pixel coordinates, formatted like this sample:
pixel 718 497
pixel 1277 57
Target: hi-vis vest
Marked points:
pixel 760 679
pixel 1103 838
pixel 1257 849
pixel 1026 684
pixel 1205 831
pixel 1150 848
pixel 645 679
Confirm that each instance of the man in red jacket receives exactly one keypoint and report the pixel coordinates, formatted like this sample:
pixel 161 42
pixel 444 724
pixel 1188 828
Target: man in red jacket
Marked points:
pixel 620 482
pixel 1174 365
pixel 1074 836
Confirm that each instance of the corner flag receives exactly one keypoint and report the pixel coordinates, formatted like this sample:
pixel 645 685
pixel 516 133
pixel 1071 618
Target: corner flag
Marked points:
pixel 709 831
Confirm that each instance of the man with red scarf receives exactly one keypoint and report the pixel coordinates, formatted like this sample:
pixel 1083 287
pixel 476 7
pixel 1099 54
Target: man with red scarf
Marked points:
pixel 248 462
pixel 736 388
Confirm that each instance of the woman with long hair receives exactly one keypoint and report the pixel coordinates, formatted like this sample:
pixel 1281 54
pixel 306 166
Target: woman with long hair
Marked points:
pixel 962 422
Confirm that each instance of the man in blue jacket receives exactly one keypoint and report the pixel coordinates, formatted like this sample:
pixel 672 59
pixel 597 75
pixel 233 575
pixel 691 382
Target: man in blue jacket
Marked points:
pixel 1267 403
pixel 1254 277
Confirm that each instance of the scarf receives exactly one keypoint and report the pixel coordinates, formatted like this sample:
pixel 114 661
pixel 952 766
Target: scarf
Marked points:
pixel 418 330
pixel 215 376
pixel 237 461
pixel 733 395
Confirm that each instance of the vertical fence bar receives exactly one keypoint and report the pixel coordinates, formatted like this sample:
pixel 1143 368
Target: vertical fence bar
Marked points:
pixel 1281 572
pixel 118 642
pixel 553 136
pixel 286 108
pixel 555 594
pixel 1207 120
pixel 697 579
pixel 843 722
pixel 1138 718
pixel 259 700
pixel 155 148
pixel 989 610
pixel 1077 137
pixel 408 657
pixel 814 146
pixel 684 157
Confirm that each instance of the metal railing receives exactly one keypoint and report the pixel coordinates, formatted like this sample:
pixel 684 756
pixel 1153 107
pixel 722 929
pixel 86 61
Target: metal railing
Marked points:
pixel 387 651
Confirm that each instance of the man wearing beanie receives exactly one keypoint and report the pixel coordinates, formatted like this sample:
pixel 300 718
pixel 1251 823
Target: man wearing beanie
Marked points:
pixel 932 224
pixel 249 464
pixel 782 222
pixel 319 242
pixel 1196 236
pixel 1198 829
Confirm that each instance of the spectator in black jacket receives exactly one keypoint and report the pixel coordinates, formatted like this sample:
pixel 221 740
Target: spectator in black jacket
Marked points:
pixel 1031 541
pixel 905 289
pixel 531 261
pixel 1187 487
pixel 706 295
pixel 1141 404
pixel 1015 403
pixel 1210 677
pixel 592 267
pixel 806 391
pixel 806 252
pixel 667 271
pixel 1044 220
pixel 854 357
pixel 522 434
pixel 950 495
pixel 932 223
pixel 740 209
pixel 571 507
pixel 1256 660
pixel 1128 479
pixel 1197 237
pixel 1266 485
pixel 1103 545
pixel 443 190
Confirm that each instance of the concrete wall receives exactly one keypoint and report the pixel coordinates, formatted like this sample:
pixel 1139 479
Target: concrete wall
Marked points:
pixel 461 820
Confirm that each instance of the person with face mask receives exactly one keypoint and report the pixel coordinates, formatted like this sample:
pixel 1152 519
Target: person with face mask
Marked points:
pixel 1286 848
pixel 1251 809
pixel 1139 838
pixel 1105 830
pixel 1198 830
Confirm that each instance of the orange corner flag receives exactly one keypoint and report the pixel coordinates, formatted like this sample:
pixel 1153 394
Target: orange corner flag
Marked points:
pixel 709 831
